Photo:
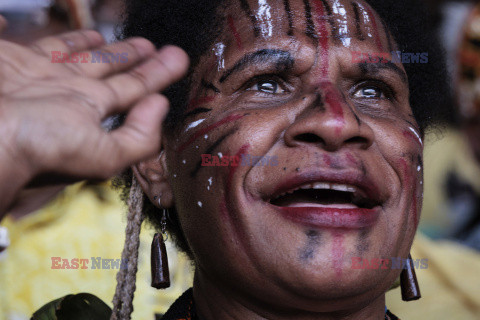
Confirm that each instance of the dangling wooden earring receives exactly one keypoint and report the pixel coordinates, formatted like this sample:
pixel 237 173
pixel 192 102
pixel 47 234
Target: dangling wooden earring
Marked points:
pixel 408 282
pixel 159 260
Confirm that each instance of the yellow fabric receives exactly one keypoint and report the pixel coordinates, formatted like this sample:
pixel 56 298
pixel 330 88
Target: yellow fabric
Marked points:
pixel 450 286
pixel 79 224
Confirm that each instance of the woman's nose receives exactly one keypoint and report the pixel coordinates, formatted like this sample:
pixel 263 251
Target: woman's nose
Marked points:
pixel 329 122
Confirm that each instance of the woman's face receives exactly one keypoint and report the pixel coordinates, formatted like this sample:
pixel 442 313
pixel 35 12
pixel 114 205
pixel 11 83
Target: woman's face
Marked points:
pixel 340 177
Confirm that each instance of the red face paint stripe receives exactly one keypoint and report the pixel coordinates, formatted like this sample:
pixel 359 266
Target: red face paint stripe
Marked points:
pixel 378 42
pixel 225 205
pixel 323 37
pixel 231 25
pixel 332 98
pixel 327 160
pixel 351 159
pixel 208 129
pixel 408 183
pixel 227 216
pixel 243 150
pixel 337 253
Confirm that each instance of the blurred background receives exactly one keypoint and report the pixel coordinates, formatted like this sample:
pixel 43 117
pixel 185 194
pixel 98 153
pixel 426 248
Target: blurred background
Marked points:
pixel 88 220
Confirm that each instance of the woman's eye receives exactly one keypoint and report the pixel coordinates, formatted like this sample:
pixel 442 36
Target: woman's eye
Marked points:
pixel 369 92
pixel 267 86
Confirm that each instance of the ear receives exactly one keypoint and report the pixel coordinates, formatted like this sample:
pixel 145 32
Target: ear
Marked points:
pixel 152 176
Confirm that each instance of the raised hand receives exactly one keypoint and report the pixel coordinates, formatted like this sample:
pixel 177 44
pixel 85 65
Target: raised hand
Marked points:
pixel 51 113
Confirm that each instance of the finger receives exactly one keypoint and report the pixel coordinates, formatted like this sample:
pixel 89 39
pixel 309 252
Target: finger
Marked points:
pixel 68 43
pixel 115 57
pixel 3 23
pixel 161 70
pixel 140 135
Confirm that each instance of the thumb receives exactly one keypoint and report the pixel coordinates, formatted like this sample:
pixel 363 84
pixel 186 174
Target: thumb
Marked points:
pixel 140 135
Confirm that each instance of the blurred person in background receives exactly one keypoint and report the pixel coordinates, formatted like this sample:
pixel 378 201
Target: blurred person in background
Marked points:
pixel 451 204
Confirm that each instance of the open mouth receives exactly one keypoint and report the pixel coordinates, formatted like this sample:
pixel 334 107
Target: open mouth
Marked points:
pixel 324 194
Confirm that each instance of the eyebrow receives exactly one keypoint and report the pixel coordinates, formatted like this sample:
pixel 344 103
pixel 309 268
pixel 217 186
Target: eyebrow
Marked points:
pixel 283 61
pixel 372 68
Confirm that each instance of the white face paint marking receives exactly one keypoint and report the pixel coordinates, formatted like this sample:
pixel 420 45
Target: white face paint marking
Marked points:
pixel 206 136
pixel 339 9
pixel 220 155
pixel 419 168
pixel 194 124
pixel 210 181
pixel 219 49
pixel 416 135
pixel 265 18
pixel 199 204
pixel 366 20
pixel 184 161
pixel 174 175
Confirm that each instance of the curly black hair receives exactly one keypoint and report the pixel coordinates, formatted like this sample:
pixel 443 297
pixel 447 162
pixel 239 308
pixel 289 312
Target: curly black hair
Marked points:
pixel 194 25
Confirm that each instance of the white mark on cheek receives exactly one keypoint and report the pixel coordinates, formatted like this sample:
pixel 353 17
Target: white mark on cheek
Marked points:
pixel 199 204
pixel 219 49
pixel 210 181
pixel 194 124
pixel 265 18
pixel 220 155
pixel 206 136
pixel 416 135
pixel 184 161
pixel 419 168
pixel 174 175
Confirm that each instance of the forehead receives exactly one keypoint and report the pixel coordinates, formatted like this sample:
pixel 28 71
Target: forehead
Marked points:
pixel 343 22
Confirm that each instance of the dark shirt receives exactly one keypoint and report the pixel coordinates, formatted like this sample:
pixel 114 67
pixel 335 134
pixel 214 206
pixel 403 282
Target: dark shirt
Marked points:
pixel 184 309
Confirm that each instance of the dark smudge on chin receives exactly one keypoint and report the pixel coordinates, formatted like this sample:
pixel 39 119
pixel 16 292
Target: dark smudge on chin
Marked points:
pixel 313 241
pixel 363 243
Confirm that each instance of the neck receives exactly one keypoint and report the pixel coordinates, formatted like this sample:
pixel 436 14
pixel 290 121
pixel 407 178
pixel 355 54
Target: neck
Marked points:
pixel 213 301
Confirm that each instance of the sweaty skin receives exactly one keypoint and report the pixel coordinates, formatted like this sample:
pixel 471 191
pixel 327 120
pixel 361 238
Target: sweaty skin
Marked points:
pixel 282 83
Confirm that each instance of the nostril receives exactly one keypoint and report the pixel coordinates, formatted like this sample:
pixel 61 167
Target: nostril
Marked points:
pixel 356 140
pixel 309 137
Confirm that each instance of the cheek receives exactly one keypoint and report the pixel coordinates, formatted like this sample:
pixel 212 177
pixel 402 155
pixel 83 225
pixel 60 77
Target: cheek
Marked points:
pixel 403 150
pixel 202 160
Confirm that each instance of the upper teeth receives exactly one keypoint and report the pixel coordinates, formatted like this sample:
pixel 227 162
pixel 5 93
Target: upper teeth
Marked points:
pixel 324 186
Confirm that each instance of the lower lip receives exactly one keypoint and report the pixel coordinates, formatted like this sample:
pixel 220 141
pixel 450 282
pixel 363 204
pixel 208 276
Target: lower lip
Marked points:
pixel 328 217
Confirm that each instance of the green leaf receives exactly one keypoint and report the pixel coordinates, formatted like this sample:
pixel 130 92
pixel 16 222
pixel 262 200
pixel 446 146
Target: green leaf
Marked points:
pixel 81 306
